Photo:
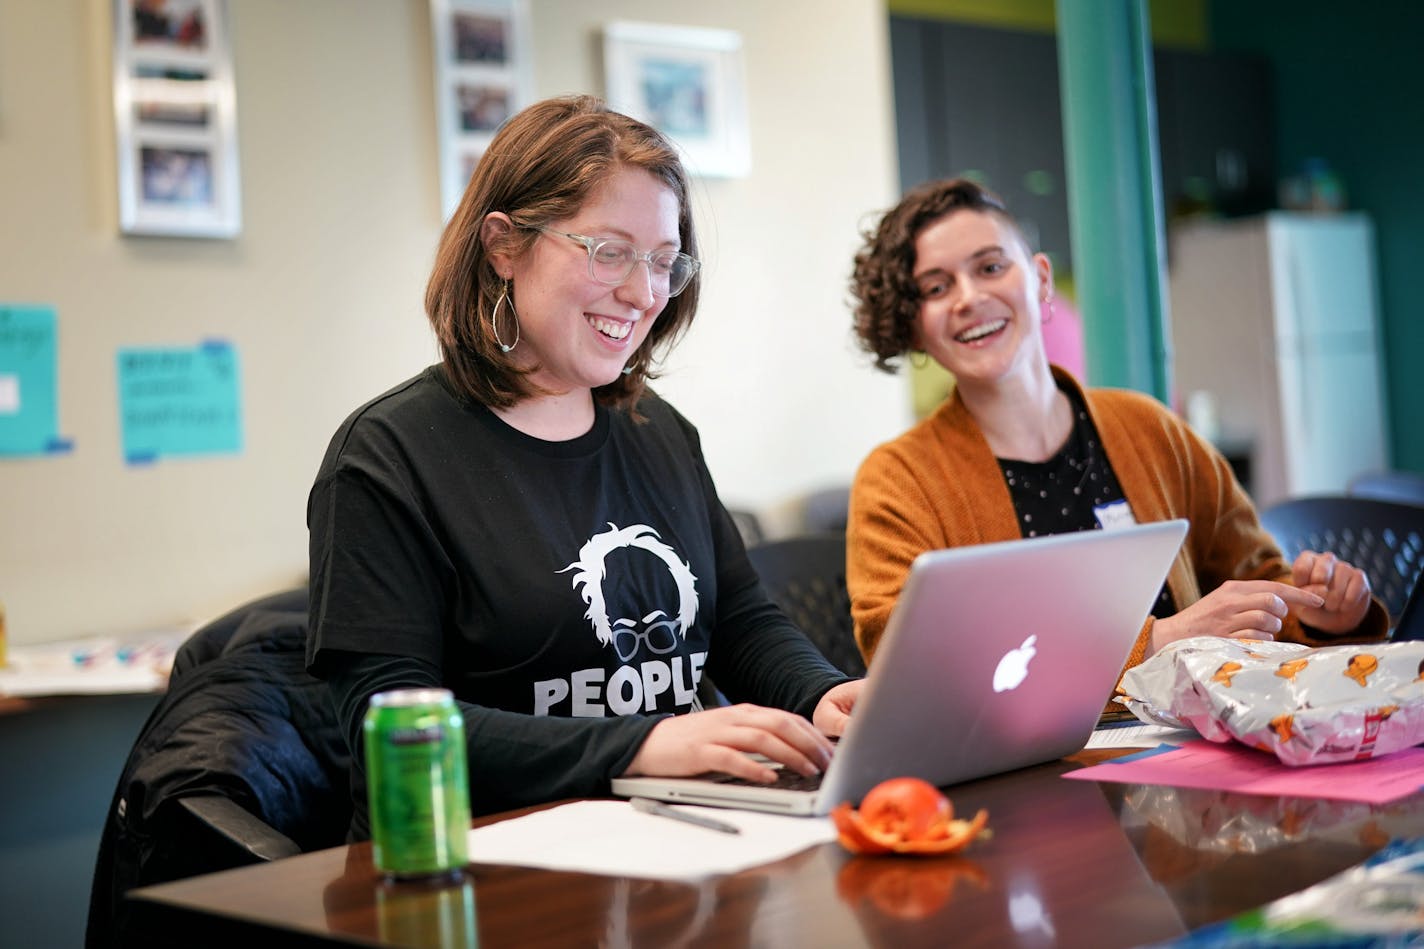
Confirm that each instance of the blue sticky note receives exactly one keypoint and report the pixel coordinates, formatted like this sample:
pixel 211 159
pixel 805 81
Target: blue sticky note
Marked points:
pixel 1139 755
pixel 180 402
pixel 29 413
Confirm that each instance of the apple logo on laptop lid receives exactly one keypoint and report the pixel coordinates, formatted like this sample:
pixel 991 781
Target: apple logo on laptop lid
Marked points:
pixel 1013 668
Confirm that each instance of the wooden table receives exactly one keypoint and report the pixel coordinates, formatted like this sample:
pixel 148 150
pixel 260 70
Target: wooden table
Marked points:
pixel 1070 863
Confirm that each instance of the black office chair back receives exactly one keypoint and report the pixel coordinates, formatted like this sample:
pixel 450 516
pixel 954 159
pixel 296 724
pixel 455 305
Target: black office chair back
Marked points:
pixel 242 761
pixel 826 510
pixel 1383 538
pixel 1411 622
pixel 805 576
pixel 748 525
pixel 1405 487
pixel 209 641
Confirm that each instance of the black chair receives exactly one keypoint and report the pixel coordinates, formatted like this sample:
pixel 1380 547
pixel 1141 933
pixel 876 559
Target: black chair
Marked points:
pixel 1405 487
pixel 748 525
pixel 1410 625
pixel 805 576
pixel 1383 538
pixel 826 510
pixel 243 761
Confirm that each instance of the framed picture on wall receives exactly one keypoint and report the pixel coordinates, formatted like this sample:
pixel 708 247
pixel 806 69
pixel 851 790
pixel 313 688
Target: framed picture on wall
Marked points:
pixel 689 83
pixel 482 77
pixel 175 119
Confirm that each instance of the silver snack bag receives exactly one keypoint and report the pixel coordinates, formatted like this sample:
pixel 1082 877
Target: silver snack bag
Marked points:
pixel 1305 705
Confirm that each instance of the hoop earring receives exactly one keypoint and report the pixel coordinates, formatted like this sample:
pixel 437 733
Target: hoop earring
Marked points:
pixel 1048 301
pixel 494 319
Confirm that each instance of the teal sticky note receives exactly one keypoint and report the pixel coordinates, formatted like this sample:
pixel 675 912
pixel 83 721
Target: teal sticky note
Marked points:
pixel 29 404
pixel 180 402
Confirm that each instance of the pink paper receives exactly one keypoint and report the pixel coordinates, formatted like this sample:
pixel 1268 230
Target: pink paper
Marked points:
pixel 1233 767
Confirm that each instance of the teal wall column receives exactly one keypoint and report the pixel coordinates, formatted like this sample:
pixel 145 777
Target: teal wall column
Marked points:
pixel 1114 191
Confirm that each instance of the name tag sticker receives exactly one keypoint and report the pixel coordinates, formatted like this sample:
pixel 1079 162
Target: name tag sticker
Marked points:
pixel 1114 516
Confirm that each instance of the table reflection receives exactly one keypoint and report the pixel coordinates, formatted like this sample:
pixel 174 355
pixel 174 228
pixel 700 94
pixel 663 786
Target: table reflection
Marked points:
pixel 1068 862
pixel 682 912
pixel 436 915
pixel 1219 853
pixel 1017 886
pixel 1230 822
pixel 913 888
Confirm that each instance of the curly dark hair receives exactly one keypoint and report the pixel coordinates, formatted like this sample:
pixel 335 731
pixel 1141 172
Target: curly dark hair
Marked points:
pixel 543 164
pixel 887 301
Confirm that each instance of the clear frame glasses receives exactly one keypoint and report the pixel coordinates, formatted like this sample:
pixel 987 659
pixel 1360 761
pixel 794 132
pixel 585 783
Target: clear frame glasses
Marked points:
pixel 611 261
pixel 659 638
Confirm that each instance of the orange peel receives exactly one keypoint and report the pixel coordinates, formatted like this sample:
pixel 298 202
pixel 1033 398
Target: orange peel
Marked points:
pixel 906 816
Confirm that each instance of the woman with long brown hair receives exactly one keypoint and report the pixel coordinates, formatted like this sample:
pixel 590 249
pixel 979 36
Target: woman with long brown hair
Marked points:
pixel 528 525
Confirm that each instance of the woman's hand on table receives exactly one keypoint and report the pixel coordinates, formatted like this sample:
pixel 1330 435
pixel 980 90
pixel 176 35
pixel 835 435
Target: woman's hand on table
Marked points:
pixel 1238 609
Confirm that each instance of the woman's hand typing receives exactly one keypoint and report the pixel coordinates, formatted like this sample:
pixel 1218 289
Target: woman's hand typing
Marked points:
pixel 832 713
pixel 724 739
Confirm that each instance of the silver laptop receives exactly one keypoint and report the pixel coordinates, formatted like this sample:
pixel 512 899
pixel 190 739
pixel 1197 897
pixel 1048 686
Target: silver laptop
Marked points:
pixel 996 657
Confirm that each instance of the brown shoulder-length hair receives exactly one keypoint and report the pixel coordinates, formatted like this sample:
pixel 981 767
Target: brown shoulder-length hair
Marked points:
pixel 542 165
pixel 887 300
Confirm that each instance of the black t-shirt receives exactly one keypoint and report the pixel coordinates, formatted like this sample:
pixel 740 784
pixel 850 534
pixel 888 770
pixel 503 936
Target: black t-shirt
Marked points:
pixel 582 580
pixel 1075 490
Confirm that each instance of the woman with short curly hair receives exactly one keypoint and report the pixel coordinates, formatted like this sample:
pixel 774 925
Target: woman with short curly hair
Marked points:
pixel 1021 449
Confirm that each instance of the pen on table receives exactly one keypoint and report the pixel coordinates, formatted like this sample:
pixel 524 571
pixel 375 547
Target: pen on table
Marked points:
pixel 660 809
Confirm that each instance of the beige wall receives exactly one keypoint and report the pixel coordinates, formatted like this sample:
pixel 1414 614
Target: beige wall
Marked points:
pixel 321 294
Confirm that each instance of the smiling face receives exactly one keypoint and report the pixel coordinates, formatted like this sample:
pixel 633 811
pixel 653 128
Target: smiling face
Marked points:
pixel 577 331
pixel 980 296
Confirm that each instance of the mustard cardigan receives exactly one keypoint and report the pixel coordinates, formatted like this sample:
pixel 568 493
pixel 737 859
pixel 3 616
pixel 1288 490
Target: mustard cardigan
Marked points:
pixel 939 485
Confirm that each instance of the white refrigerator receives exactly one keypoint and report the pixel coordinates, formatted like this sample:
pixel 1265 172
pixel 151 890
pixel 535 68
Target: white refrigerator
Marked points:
pixel 1276 319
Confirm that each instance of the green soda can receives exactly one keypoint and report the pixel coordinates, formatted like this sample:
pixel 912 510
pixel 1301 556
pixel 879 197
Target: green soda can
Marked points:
pixel 417 783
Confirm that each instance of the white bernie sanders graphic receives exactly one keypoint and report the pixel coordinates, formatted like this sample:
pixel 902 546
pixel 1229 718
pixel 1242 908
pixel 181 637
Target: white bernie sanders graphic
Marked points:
pixel 629 689
pixel 591 568
pixel 1013 668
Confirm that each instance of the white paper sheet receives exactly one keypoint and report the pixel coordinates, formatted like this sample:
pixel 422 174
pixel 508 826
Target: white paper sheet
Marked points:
pixel 610 838
pixel 95 665
pixel 1139 736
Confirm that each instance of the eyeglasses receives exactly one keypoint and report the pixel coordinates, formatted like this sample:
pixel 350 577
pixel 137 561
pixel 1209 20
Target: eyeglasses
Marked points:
pixel 611 262
pixel 659 637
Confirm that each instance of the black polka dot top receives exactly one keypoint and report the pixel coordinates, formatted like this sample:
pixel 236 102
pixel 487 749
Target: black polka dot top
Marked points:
pixel 1064 493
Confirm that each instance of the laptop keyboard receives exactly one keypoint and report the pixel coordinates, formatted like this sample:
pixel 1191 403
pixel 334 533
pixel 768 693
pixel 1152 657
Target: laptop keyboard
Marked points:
pixel 786 780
